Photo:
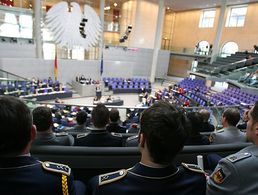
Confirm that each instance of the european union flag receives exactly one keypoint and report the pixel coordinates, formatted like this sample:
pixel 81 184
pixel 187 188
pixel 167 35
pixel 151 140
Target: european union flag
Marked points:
pixel 101 65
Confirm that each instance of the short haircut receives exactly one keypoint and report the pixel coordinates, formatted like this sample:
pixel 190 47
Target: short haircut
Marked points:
pixel 16 124
pixel 163 126
pixel 205 114
pixel 232 116
pixel 42 118
pixel 254 112
pixel 100 116
pixel 114 115
pixel 81 117
pixel 196 122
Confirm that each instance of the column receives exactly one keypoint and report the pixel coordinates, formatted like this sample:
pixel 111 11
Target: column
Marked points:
pixel 157 42
pixel 216 42
pixel 37 28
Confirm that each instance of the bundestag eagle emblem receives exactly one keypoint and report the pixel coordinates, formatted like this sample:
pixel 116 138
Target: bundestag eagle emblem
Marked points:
pixel 70 27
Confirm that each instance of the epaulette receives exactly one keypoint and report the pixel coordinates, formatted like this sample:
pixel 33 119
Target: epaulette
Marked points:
pixel 220 131
pixel 132 137
pixel 61 134
pixel 56 167
pixel 193 167
pixel 111 177
pixel 116 134
pixel 239 156
pixel 81 135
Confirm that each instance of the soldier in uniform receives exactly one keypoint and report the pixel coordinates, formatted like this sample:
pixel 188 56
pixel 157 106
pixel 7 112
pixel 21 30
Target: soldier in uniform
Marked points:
pixel 162 136
pixel 230 133
pixel 20 173
pixel 42 118
pixel 237 173
pixel 98 134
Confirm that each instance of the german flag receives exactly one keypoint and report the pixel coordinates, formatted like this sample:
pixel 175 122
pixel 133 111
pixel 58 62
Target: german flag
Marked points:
pixel 55 65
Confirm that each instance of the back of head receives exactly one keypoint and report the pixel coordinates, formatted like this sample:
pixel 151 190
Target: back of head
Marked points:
pixel 163 126
pixel 81 117
pixel 100 116
pixel 254 112
pixel 16 124
pixel 232 116
pixel 205 115
pixel 42 118
pixel 196 122
pixel 114 115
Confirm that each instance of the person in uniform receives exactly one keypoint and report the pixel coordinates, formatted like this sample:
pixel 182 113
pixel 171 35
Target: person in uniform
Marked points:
pixel 162 136
pixel 230 133
pixel 114 125
pixel 237 173
pixel 42 118
pixel 81 119
pixel 20 173
pixel 98 134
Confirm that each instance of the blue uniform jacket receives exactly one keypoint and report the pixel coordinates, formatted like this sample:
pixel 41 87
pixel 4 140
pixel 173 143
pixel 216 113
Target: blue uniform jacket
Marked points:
pixel 143 180
pixel 26 176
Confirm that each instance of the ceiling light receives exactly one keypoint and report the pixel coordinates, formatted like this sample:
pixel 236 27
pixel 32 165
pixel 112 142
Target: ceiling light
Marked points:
pixel 115 4
pixel 168 8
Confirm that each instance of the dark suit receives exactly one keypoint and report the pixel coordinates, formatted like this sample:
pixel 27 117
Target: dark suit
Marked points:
pixel 144 180
pixel 198 140
pixel 116 128
pixel 51 139
pixel 207 127
pixel 25 175
pixel 98 138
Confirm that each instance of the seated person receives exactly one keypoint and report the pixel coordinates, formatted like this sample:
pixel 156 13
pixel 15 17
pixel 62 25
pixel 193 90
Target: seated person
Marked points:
pixel 195 137
pixel 243 125
pixel 161 138
pixel 114 125
pixel 237 173
pixel 98 135
pixel 81 119
pixel 42 119
pixel 20 172
pixel 230 133
pixel 206 127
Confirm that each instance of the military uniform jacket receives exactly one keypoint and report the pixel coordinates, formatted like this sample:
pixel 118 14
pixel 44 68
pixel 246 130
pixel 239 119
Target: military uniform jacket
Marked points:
pixel 228 135
pixel 26 176
pixel 236 174
pixel 98 138
pixel 143 180
pixel 51 139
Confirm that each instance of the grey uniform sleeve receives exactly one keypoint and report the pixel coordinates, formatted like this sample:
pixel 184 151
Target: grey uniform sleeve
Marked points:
pixel 224 180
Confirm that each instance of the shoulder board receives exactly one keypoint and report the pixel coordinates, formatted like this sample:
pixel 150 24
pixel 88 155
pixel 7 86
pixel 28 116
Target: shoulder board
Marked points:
pixel 56 167
pixel 239 156
pixel 132 137
pixel 81 135
pixel 111 177
pixel 193 167
pixel 61 134
pixel 220 131
pixel 116 134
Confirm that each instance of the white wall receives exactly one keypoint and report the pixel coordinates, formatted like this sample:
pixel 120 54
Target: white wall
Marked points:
pixel 19 50
pixel 117 63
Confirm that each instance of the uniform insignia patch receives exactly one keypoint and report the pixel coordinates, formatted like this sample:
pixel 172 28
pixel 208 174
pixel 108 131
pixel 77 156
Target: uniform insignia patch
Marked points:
pixel 240 156
pixel 132 137
pixel 81 135
pixel 219 176
pixel 193 167
pixel 116 134
pixel 56 167
pixel 111 177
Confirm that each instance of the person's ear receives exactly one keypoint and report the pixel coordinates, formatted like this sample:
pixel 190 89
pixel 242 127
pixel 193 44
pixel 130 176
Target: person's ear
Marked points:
pixel 141 140
pixel 33 132
pixel 256 128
